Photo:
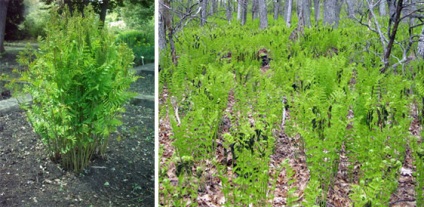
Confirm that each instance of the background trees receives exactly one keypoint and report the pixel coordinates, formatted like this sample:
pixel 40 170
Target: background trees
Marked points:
pixel 372 15
pixel 3 13
pixel 132 20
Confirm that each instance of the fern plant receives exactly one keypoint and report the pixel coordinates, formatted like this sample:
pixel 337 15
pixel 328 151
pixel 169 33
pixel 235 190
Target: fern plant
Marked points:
pixel 79 82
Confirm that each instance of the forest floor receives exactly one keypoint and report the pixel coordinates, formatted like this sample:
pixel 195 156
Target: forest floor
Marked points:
pixel 124 178
pixel 287 149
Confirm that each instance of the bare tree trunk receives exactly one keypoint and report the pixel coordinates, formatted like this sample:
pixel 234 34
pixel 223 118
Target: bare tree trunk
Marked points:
pixel 243 11
pixel 396 18
pixel 382 7
pixel 204 12
pixel 239 9
pixel 276 8
pixel 162 23
pixel 392 9
pixel 255 9
pixel 317 11
pixel 214 7
pixel 3 15
pixel 420 49
pixel 351 8
pixel 288 14
pixel 103 11
pixel 263 14
pixel 332 12
pixel 304 11
pixel 229 11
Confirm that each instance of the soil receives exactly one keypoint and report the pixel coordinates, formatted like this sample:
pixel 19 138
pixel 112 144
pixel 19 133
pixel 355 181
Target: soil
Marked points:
pixel 145 84
pixel 124 178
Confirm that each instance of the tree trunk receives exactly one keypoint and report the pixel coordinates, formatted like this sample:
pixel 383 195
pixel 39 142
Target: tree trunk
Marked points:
pixel 163 23
pixel 229 11
pixel 351 8
pixel 239 8
pixel 332 12
pixel 276 8
pixel 288 14
pixel 382 7
pixel 304 11
pixel 213 7
pixel 317 11
pixel 243 13
pixel 103 11
pixel 263 14
pixel 255 9
pixel 392 9
pixel 420 49
pixel 204 12
pixel 3 14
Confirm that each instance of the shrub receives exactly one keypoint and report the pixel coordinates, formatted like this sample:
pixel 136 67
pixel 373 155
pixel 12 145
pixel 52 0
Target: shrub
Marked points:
pixel 141 43
pixel 79 80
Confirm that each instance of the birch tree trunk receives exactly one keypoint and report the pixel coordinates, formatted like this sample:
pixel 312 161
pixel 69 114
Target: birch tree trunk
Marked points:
pixel 204 12
pixel 332 12
pixel 239 8
pixel 276 8
pixel 288 14
pixel 263 14
pixel 3 14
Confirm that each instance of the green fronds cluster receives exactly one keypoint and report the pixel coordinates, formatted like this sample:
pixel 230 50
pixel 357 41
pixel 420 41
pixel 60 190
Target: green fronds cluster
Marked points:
pixel 78 79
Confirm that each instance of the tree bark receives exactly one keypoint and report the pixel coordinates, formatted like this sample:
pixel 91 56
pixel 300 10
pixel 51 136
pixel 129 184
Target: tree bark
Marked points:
pixel 392 34
pixel 255 9
pixel 229 12
pixel 239 8
pixel 213 7
pixel 263 14
pixel 3 14
pixel 420 48
pixel 288 13
pixel 103 11
pixel 163 23
pixel 382 7
pixel 317 11
pixel 243 12
pixel 351 8
pixel 304 12
pixel 276 8
pixel 204 12
pixel 332 12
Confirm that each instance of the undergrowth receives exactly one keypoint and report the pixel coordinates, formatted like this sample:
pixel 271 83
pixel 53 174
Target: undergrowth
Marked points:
pixel 330 82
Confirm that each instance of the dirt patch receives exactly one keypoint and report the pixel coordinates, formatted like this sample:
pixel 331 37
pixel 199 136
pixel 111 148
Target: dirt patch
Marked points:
pixel 124 178
pixel 145 84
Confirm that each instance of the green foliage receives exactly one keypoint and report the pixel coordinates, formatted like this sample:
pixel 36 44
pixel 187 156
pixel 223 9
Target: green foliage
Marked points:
pixel 37 16
pixel 137 16
pixel 79 82
pixel 141 43
pixel 336 97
